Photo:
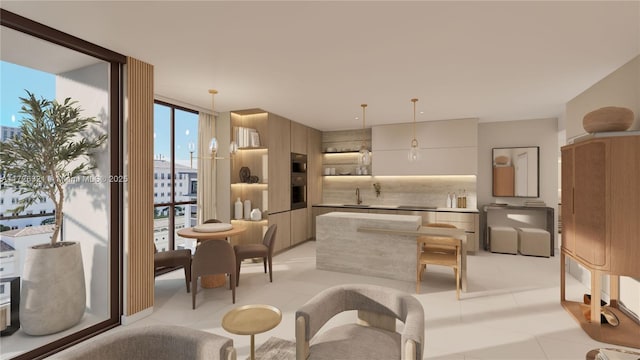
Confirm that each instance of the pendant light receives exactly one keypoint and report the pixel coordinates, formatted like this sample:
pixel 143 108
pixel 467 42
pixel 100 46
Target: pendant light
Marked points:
pixel 365 154
pixel 213 144
pixel 414 152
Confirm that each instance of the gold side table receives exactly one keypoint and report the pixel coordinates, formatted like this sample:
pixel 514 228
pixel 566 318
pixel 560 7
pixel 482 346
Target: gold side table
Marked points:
pixel 251 320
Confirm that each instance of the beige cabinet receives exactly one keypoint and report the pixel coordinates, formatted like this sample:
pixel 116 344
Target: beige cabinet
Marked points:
pixel 463 220
pixel 279 164
pixel 447 147
pixel 298 226
pixel 314 176
pixel 283 234
pixel 299 138
pixel 601 208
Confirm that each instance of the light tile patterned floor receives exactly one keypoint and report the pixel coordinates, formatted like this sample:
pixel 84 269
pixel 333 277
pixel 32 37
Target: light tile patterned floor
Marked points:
pixel 511 311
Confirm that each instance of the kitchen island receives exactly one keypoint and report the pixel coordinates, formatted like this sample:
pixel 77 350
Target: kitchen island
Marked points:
pixel 381 245
pixel 462 218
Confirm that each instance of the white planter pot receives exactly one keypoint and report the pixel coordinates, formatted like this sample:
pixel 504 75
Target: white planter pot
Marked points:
pixel 53 295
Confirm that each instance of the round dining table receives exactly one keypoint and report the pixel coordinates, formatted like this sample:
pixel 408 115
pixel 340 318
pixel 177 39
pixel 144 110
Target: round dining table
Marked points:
pixel 218 280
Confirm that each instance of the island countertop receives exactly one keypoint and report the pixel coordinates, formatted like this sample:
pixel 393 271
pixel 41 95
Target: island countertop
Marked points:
pixel 398 207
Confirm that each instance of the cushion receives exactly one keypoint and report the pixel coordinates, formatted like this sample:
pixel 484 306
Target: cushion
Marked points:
pixel 355 342
pixel 212 227
pixel 251 250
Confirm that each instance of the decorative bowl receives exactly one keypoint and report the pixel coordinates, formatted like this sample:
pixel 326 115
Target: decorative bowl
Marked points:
pixel 610 118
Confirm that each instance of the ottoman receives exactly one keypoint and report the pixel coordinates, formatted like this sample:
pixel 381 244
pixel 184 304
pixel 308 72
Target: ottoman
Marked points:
pixel 503 239
pixel 535 242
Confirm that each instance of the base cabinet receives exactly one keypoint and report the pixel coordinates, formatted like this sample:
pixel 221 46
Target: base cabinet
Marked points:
pixel 283 234
pixel 298 226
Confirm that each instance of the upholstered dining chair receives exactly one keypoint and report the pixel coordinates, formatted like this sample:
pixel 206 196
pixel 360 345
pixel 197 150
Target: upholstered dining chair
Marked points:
pixel 173 259
pixel 374 336
pixel 264 251
pixel 439 250
pixel 213 257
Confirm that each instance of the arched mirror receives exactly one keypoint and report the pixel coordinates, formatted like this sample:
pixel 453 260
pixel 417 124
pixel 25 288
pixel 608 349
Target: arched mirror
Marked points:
pixel 516 171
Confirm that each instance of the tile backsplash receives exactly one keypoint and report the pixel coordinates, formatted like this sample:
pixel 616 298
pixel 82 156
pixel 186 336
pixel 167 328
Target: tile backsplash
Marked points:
pixel 399 190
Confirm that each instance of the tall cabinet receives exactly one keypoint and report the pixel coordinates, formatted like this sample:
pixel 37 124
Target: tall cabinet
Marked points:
pixel 601 231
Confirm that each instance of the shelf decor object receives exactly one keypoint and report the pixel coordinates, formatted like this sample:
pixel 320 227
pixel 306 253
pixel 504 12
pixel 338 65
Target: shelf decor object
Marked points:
pixel 609 118
pixel 414 152
pixel 365 154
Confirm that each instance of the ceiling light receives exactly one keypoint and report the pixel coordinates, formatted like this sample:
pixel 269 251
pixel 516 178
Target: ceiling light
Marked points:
pixel 213 144
pixel 414 152
pixel 365 155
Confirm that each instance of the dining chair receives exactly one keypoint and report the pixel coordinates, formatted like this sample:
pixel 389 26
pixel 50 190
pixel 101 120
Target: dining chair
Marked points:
pixel 439 250
pixel 173 259
pixel 434 247
pixel 264 250
pixel 213 257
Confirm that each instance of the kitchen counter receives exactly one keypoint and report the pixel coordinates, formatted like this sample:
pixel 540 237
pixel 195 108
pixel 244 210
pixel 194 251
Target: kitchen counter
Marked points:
pixel 398 207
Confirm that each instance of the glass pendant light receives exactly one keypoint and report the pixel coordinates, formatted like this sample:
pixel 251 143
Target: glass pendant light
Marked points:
pixel 213 144
pixel 414 151
pixel 365 154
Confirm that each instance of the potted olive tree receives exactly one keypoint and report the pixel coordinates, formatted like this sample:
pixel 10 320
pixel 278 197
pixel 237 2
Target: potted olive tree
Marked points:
pixel 51 150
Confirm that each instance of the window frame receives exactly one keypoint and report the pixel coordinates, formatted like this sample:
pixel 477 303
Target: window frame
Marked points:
pixel 171 205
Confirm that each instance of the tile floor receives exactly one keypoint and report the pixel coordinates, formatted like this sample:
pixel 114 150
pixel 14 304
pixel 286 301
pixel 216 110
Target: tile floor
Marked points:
pixel 511 309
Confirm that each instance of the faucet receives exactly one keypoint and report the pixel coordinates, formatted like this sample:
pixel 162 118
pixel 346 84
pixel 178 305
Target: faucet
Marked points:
pixel 358 198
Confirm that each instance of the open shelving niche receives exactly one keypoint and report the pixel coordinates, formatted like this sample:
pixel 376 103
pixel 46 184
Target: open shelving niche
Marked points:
pixel 340 150
pixel 257 160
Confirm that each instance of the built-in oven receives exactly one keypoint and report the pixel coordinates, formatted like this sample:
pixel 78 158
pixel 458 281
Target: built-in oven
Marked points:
pixel 298 181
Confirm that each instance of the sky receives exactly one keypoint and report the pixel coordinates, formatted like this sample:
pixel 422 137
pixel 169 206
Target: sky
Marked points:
pixel 14 80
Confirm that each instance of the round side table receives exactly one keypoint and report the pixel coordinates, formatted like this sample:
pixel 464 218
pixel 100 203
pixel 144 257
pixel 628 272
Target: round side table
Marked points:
pixel 251 320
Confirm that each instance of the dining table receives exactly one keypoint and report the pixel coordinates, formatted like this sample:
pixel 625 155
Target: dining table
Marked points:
pixel 217 280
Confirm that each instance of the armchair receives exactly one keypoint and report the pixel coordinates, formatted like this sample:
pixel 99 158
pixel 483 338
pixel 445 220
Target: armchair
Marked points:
pixel 373 337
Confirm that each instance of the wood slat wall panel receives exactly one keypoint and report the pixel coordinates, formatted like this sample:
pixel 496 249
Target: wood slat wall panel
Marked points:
pixel 140 278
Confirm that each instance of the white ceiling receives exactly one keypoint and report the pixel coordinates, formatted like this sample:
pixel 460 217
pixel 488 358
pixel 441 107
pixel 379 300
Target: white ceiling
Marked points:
pixel 316 62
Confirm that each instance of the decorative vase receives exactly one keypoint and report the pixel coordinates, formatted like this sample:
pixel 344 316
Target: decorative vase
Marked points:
pixel 53 295
pixel 256 214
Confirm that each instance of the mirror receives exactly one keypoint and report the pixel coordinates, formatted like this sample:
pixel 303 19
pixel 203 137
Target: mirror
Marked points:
pixel 515 171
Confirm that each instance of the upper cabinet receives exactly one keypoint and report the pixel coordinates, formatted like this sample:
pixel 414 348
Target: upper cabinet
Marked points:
pixel 447 147
pixel 299 138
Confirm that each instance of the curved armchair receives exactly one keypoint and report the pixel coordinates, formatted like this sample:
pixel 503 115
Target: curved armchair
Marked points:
pixel 373 337
pixel 161 342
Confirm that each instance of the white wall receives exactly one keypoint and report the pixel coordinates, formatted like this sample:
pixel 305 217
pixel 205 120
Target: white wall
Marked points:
pixel 87 211
pixel 620 88
pixel 522 133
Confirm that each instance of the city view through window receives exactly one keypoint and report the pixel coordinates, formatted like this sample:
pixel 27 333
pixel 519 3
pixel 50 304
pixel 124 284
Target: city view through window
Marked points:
pixel 175 139
pixel 175 161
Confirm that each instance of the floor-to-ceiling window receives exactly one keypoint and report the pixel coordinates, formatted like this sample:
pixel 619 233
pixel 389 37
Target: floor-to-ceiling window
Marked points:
pixel 55 66
pixel 175 133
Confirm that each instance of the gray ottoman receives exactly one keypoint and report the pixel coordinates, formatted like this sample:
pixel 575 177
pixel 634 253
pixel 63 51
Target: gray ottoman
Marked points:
pixel 535 242
pixel 503 239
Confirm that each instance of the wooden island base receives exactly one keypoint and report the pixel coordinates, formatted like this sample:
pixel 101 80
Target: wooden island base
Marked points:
pixel 625 334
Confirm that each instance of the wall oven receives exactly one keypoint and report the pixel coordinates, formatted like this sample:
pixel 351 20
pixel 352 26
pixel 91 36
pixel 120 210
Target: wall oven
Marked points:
pixel 298 181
